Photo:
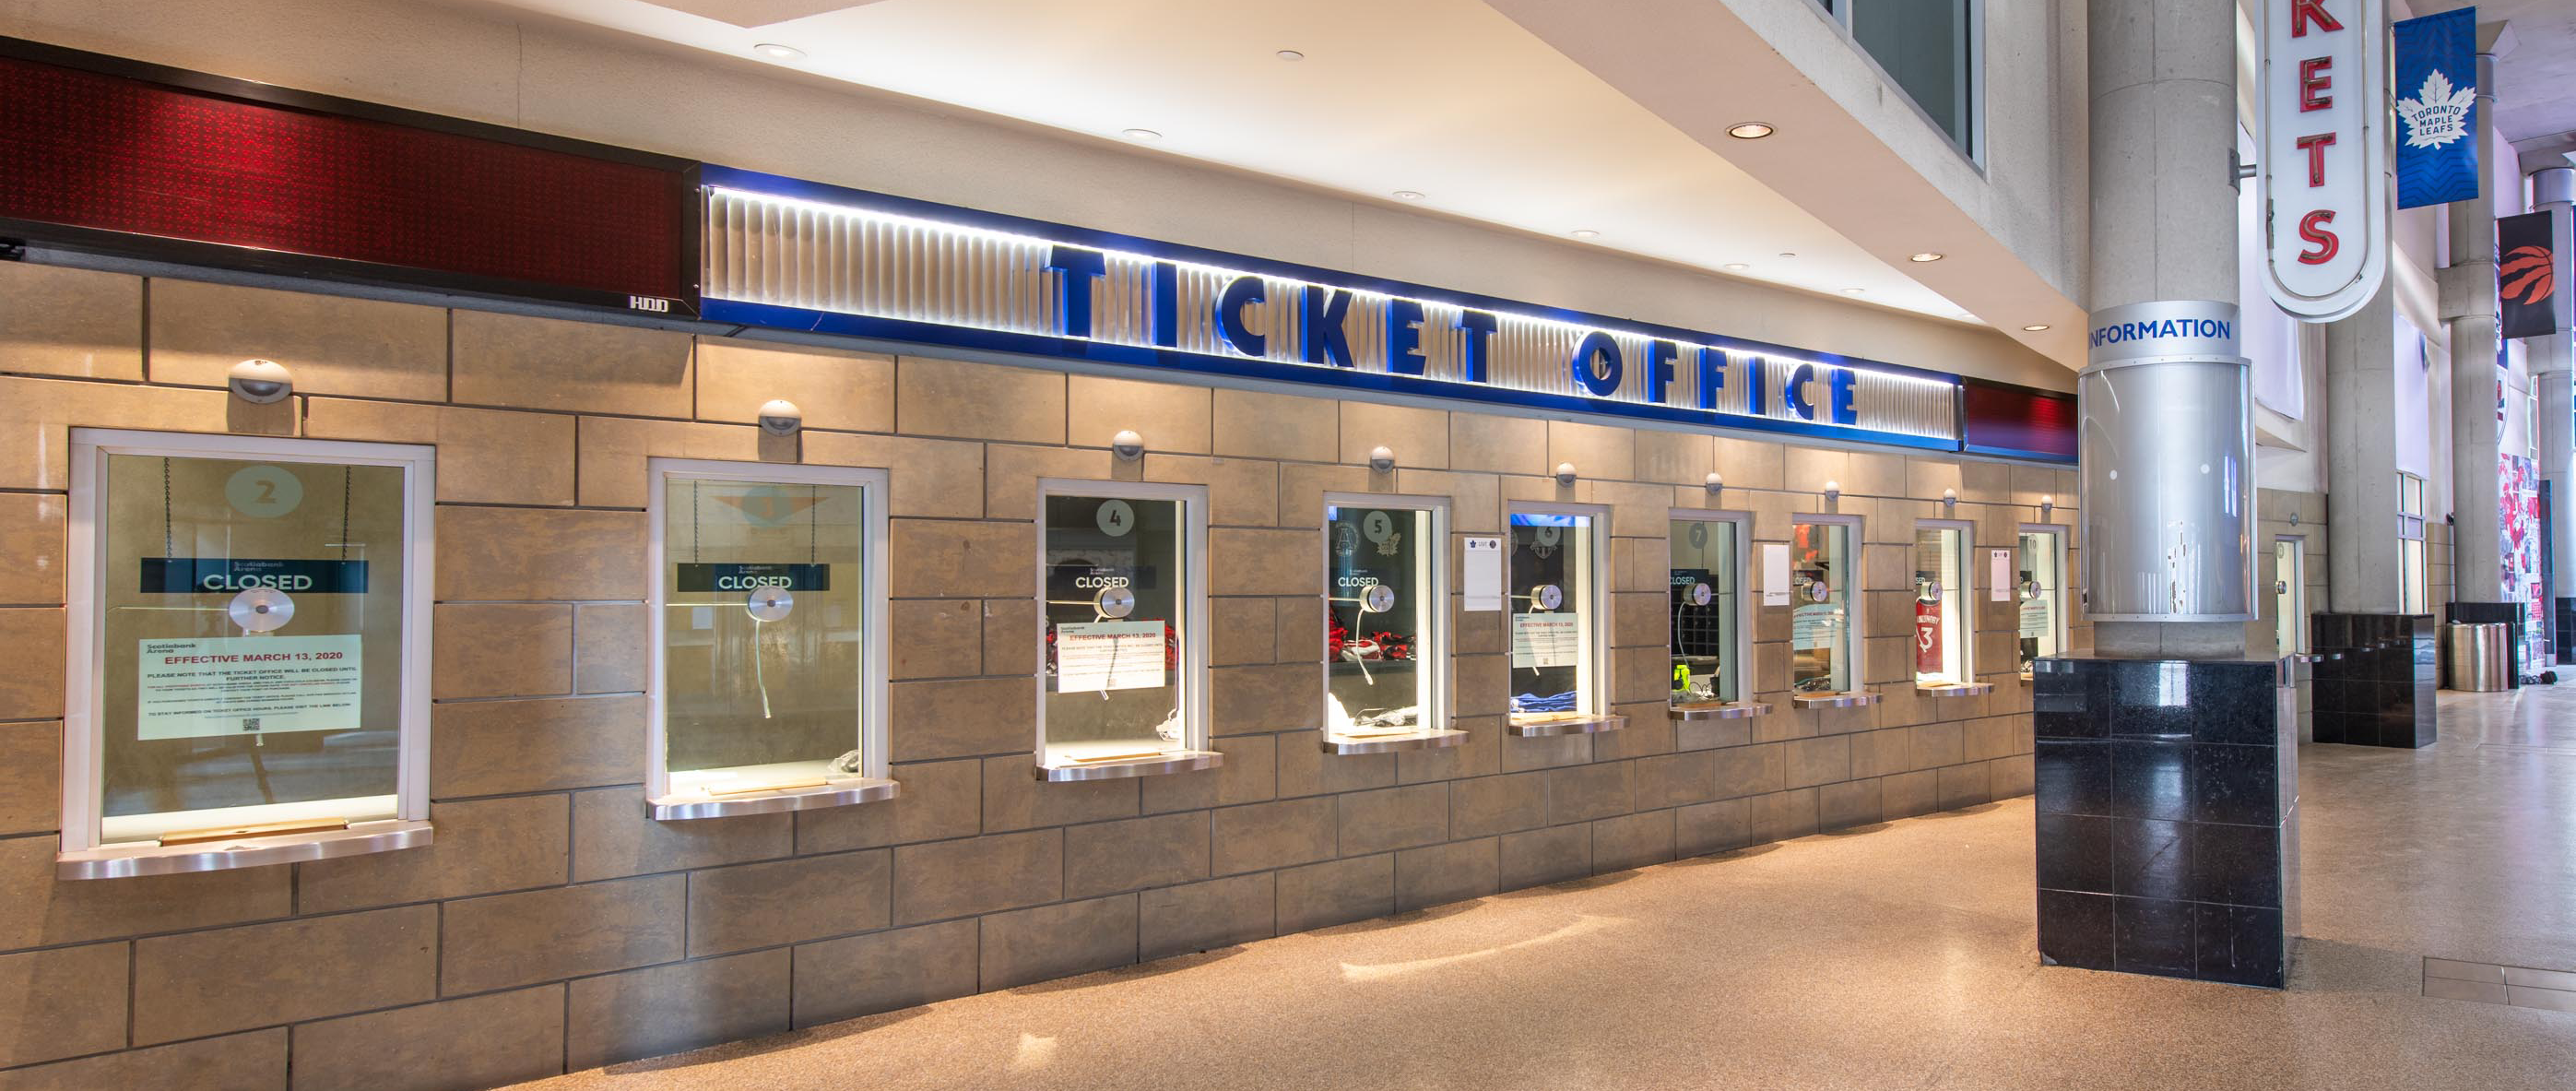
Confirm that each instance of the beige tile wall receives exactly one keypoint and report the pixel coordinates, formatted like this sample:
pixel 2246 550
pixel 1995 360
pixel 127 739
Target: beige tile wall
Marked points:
pixel 552 924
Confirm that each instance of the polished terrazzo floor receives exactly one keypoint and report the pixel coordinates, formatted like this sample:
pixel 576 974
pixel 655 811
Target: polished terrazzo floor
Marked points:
pixel 1899 956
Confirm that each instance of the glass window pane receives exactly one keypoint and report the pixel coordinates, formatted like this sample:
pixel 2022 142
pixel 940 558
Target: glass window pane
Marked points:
pixel 1820 642
pixel 1378 620
pixel 1924 46
pixel 1708 613
pixel 1940 597
pixel 251 614
pixel 1554 609
pixel 2039 594
pixel 1114 611
pixel 764 602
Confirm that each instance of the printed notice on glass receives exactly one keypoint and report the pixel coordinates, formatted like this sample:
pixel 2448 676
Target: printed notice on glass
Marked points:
pixel 1483 584
pixel 1814 627
pixel 246 685
pixel 1096 656
pixel 1547 640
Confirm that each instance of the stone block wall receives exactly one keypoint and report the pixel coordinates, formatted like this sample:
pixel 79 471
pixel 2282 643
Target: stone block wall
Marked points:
pixel 553 926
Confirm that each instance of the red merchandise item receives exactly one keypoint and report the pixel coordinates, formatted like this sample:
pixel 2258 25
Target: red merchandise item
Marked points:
pixel 1927 637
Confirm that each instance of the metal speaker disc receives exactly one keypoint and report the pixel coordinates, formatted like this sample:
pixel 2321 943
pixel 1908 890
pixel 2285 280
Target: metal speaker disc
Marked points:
pixel 1115 602
pixel 1378 599
pixel 1547 596
pixel 261 610
pixel 1930 591
pixel 769 603
pixel 1700 594
pixel 1818 592
pixel 2030 589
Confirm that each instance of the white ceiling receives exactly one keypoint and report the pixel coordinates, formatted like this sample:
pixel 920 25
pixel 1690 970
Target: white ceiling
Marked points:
pixel 1447 98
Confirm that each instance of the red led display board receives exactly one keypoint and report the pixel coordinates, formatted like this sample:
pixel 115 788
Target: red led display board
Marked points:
pixel 134 158
pixel 1997 419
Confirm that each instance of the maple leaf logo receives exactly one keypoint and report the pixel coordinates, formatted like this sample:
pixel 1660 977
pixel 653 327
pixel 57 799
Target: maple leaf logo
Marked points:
pixel 2437 115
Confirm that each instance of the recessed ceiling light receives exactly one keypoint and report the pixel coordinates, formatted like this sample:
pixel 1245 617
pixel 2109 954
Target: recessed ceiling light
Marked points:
pixel 1140 134
pixel 1854 291
pixel 1290 55
pixel 1750 130
pixel 1408 195
pixel 1788 254
pixel 2035 328
pixel 777 52
pixel 1737 266
pixel 1924 256
pixel 1585 233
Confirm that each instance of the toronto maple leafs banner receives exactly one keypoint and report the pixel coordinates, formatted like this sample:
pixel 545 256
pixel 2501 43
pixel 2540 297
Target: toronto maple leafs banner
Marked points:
pixel 2437 111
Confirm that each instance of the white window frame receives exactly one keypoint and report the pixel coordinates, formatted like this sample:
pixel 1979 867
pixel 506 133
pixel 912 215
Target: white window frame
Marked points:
pixel 1957 603
pixel 1435 728
pixel 1740 665
pixel 2065 634
pixel 1856 598
pixel 82 856
pixel 1194 752
pixel 2300 633
pixel 875 780
pixel 1595 715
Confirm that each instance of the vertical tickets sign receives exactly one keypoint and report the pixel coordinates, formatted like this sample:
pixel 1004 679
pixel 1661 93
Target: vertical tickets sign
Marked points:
pixel 2324 159
pixel 2437 109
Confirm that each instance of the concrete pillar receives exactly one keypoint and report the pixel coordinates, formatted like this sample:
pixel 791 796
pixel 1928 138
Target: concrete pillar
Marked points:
pixel 2168 459
pixel 2469 307
pixel 2553 377
pixel 2362 558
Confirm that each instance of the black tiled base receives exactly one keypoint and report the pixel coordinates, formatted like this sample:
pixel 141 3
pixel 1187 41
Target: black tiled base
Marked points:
pixel 2165 797
pixel 2563 636
pixel 2375 679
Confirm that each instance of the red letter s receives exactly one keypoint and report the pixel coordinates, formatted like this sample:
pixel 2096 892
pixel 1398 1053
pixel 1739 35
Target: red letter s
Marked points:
pixel 2312 230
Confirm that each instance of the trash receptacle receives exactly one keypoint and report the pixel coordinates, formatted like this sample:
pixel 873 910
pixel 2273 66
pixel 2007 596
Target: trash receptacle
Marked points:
pixel 2481 656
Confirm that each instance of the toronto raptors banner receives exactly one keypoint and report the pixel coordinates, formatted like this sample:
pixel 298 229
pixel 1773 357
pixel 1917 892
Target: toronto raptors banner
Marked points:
pixel 2529 251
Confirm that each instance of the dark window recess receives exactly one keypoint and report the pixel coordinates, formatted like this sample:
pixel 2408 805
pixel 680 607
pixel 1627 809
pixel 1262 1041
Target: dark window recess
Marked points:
pixel 116 153
pixel 2012 420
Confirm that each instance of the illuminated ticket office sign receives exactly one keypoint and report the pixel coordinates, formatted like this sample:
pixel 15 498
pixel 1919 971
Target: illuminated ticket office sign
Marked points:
pixel 788 254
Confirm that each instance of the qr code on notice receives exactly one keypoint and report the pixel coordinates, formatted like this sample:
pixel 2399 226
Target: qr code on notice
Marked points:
pixel 250 723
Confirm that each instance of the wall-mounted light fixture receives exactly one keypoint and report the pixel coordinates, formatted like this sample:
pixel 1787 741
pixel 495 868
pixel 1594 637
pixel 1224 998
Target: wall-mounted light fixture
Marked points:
pixel 1565 474
pixel 780 417
pixel 1382 458
pixel 1833 492
pixel 1716 483
pixel 1949 500
pixel 1127 445
pixel 2047 504
pixel 260 382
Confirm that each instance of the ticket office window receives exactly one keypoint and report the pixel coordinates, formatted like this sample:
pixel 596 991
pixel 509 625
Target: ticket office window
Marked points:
pixel 1824 643
pixel 2040 596
pixel 1941 596
pixel 1554 588
pixel 249 648
pixel 1123 689
pixel 769 638
pixel 2413 593
pixel 2289 596
pixel 1710 640
pixel 1385 620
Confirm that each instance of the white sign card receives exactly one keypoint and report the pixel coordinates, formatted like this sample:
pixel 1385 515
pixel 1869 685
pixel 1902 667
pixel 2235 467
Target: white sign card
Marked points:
pixel 1775 574
pixel 1096 656
pixel 1552 639
pixel 247 685
pixel 1815 627
pixel 2000 579
pixel 1483 584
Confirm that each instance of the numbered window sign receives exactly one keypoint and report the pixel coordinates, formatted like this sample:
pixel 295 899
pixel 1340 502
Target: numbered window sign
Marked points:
pixel 1557 616
pixel 1942 638
pixel 1710 648
pixel 769 638
pixel 1385 620
pixel 250 674
pixel 1121 687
